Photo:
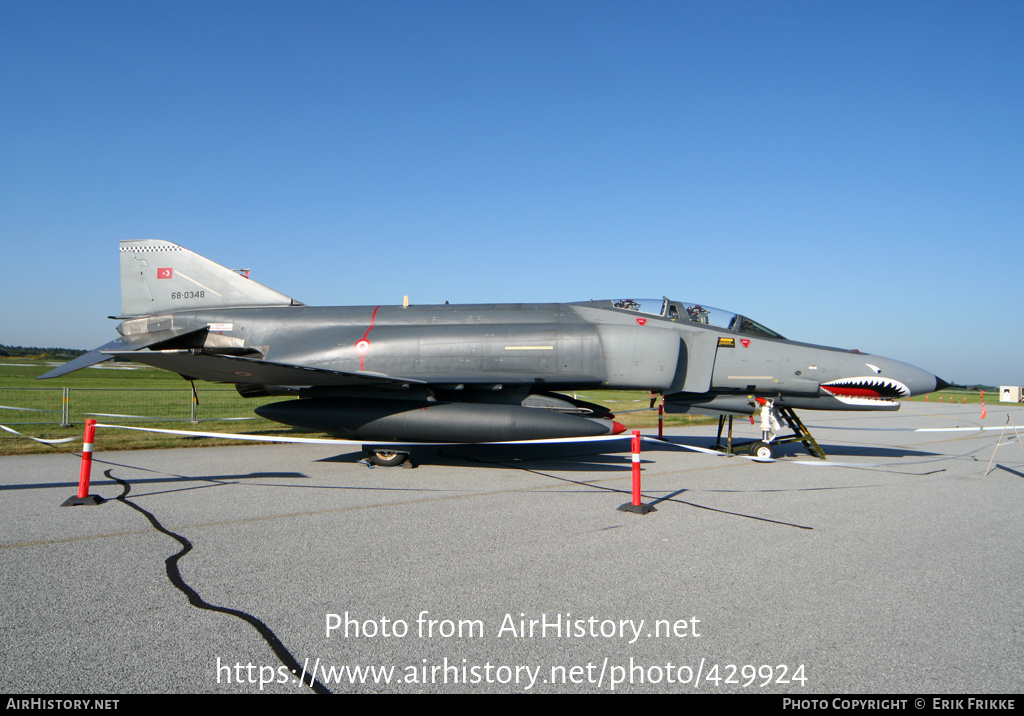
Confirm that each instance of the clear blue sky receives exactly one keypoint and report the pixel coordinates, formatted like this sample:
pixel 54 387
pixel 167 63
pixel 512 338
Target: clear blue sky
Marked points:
pixel 846 173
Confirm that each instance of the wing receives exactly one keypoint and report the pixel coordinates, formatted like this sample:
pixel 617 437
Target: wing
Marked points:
pixel 197 365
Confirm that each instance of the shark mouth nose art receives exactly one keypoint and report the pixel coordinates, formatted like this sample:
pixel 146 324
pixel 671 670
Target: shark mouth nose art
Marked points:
pixel 867 389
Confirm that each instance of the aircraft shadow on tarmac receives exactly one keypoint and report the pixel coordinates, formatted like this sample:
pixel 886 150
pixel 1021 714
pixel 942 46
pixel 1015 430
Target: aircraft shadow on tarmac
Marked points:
pixel 594 457
pixel 874 451
pixel 795 450
pixel 598 457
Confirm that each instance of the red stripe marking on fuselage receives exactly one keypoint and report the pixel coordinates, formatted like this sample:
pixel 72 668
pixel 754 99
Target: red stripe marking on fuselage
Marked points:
pixel 365 350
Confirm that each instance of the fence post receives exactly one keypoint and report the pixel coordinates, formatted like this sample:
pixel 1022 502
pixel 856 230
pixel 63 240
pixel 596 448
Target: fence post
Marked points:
pixel 65 408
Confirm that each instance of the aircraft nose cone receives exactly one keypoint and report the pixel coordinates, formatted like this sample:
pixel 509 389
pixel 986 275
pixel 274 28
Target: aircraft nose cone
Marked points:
pixel 917 380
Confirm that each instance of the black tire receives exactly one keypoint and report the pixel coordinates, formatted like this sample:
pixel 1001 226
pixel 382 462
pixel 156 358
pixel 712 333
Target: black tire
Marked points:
pixel 762 450
pixel 386 458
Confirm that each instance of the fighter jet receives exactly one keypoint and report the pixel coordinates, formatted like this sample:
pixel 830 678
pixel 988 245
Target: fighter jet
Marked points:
pixel 473 373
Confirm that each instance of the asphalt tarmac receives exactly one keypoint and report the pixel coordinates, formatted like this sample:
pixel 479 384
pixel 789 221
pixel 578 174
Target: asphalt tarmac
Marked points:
pixel 897 566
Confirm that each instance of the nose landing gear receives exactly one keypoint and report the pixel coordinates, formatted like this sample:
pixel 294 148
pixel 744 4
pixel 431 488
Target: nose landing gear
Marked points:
pixel 765 448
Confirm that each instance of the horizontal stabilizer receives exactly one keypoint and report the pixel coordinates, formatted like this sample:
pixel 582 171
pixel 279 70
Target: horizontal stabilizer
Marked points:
pixel 124 343
pixel 235 369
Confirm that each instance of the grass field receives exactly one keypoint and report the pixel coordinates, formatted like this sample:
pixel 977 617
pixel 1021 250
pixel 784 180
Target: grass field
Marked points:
pixel 958 396
pixel 139 395
pixel 144 396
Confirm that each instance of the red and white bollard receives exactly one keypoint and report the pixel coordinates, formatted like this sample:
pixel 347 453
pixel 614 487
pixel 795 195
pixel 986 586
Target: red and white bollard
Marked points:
pixel 636 506
pixel 83 497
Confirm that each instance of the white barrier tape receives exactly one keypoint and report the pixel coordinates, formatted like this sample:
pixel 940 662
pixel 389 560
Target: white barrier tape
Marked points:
pixel 164 419
pixel 708 451
pixel 328 441
pixel 31 410
pixel 955 430
pixel 39 440
pixel 814 463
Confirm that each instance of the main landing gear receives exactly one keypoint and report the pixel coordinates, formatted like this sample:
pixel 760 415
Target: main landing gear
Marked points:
pixel 765 447
pixel 385 457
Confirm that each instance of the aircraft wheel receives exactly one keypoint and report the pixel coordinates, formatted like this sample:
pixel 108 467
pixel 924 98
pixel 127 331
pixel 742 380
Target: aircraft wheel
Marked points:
pixel 762 449
pixel 386 458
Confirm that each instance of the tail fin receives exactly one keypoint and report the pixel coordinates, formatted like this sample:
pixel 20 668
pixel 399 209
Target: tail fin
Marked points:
pixel 161 277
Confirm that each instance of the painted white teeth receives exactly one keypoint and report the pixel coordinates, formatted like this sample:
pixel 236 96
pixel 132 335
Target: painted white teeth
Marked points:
pixel 871 382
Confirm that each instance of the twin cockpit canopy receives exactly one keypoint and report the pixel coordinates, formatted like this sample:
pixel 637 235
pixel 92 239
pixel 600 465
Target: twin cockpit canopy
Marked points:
pixel 697 313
